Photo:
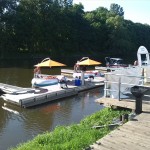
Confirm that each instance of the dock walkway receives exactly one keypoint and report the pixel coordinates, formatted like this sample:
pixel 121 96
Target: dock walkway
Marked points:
pixel 133 135
pixel 119 91
pixel 124 103
pixel 27 97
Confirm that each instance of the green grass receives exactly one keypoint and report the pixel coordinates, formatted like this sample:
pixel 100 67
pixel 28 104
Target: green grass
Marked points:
pixel 75 136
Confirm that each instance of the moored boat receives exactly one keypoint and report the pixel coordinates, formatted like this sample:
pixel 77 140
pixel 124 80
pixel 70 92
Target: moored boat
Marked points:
pixel 88 74
pixel 81 65
pixel 45 80
pixel 115 62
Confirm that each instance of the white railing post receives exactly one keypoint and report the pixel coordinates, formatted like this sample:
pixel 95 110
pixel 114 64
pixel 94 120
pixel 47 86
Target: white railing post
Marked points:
pixel 105 88
pixel 119 87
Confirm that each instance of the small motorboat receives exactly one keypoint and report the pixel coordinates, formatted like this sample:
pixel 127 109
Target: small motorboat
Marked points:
pixel 44 80
pixel 115 62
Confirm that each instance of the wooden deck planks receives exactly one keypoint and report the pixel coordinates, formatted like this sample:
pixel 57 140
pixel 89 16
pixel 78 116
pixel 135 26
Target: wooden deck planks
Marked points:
pixel 125 103
pixel 133 135
pixel 125 136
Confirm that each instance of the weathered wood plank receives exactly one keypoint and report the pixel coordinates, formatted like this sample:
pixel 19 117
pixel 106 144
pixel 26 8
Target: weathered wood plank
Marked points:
pixel 104 143
pixel 131 138
pixel 122 143
pixel 133 135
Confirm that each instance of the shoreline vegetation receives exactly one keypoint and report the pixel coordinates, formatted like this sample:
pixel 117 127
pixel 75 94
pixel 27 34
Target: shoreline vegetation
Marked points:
pixel 62 28
pixel 76 136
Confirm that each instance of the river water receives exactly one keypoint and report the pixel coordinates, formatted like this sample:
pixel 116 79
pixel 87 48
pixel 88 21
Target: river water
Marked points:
pixel 19 128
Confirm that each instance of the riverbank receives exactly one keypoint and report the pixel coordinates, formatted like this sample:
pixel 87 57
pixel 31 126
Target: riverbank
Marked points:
pixel 76 136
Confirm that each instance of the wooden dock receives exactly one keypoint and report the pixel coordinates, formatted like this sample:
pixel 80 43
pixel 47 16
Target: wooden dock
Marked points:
pixel 124 103
pixel 133 135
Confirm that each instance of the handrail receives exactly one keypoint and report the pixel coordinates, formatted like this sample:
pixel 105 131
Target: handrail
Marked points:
pixel 106 83
pixel 110 73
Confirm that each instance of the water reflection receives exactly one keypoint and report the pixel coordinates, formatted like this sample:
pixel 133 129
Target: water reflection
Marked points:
pixel 16 128
pixel 51 108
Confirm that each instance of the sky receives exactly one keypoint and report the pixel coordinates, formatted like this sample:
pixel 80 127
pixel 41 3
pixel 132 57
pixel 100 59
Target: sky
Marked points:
pixel 137 11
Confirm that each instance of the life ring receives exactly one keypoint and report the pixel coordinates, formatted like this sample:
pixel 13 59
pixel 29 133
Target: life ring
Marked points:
pixel 50 77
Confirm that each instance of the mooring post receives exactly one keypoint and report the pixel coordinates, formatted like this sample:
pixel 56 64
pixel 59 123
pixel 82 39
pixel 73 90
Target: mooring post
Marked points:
pixel 138 92
pixel 138 105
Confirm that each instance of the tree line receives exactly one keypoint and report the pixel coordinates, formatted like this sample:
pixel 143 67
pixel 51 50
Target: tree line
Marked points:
pixel 59 27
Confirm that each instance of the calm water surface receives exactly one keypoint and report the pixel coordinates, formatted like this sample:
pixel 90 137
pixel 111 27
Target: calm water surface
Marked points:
pixel 18 128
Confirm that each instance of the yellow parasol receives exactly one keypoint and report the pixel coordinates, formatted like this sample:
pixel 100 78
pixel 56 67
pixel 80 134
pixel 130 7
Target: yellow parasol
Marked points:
pixel 86 61
pixel 47 62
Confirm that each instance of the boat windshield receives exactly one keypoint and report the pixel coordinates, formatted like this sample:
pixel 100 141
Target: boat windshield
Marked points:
pixel 116 61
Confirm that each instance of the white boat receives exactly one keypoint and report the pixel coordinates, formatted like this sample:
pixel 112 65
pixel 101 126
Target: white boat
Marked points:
pixel 115 62
pixel 44 80
pixel 80 67
pixel 88 74
pixel 143 56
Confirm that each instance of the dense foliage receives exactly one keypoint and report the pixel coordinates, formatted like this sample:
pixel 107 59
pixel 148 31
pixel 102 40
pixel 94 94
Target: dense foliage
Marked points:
pixel 58 27
pixel 76 136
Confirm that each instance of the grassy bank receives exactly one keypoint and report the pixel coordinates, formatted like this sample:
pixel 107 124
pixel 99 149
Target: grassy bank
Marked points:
pixel 75 136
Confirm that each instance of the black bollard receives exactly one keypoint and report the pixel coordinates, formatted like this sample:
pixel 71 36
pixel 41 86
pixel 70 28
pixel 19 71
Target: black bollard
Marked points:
pixel 138 92
pixel 138 105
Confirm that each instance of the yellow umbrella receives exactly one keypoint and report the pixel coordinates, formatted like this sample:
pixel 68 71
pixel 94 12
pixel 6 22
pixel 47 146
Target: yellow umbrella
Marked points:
pixel 47 62
pixel 88 62
pixel 85 61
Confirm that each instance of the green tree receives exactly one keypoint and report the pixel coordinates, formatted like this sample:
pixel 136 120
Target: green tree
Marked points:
pixel 116 9
pixel 7 13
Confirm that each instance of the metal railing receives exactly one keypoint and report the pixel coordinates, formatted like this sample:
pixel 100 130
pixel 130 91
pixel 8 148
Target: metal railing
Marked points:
pixel 107 84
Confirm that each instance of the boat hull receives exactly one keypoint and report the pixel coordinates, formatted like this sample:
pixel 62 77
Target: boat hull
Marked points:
pixel 43 82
